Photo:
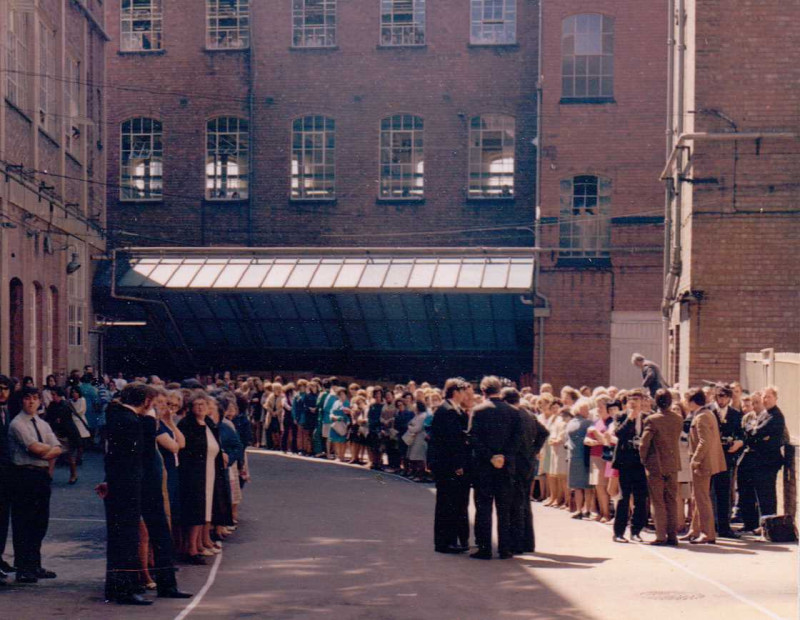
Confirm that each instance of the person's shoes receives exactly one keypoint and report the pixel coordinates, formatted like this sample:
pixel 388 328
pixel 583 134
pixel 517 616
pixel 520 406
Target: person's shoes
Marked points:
pixel 672 542
pixel 132 599
pixel 744 532
pixel 196 560
pixel 460 548
pixel 619 539
pixel 481 554
pixel 45 574
pixel 577 515
pixel 688 537
pixel 72 480
pixel 26 577
pixel 729 534
pixel 658 543
pixel 505 555
pixel 703 540
pixel 451 549
pixel 173 593
pixel 636 538
pixel 6 567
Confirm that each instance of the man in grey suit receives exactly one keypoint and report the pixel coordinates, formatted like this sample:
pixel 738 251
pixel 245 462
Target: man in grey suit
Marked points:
pixel 660 456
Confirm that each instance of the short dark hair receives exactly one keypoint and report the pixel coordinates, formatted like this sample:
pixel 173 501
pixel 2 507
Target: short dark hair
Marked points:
pixel 60 391
pixel 724 390
pixel 663 399
pixel 326 384
pixel 510 395
pixel 135 394
pixel 451 386
pixel 4 380
pixel 697 396
pixel 30 390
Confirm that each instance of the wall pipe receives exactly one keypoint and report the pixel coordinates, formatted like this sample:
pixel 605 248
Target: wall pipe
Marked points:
pixel 667 191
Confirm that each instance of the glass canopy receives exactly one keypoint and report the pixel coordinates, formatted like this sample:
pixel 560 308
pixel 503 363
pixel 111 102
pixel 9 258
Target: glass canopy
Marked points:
pixel 475 273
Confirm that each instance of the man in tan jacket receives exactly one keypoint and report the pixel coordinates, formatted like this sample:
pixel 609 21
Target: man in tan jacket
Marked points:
pixel 707 459
pixel 660 456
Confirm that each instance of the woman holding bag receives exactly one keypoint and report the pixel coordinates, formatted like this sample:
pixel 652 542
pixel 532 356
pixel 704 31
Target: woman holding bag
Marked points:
pixel 340 422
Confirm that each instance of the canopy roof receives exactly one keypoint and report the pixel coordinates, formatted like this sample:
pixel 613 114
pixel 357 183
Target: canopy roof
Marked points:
pixel 431 270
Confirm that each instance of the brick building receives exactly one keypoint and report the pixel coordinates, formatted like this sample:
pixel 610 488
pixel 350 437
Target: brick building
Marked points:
pixel 397 125
pixel 52 201
pixel 732 177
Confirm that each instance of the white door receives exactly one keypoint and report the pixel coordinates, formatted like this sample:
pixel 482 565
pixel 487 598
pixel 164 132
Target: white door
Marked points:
pixel 633 332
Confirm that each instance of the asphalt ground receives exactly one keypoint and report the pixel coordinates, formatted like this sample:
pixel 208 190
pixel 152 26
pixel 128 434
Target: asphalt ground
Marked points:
pixel 322 540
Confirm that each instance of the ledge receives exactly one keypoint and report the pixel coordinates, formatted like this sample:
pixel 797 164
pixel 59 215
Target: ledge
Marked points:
pixel 598 263
pixel 510 46
pixel 492 200
pixel 399 201
pixel 234 202
pixel 318 48
pixel 313 201
pixel 141 201
pixel 410 46
pixel 226 50
pixel 637 220
pixel 160 52
pixel 586 100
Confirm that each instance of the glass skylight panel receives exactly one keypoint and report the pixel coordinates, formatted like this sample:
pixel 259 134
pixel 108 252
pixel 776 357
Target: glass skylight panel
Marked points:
pixel 208 274
pixel 374 274
pixel 302 273
pixel 254 275
pixel 279 273
pixel 447 274
pixel 399 273
pixel 230 276
pixel 351 273
pixel 183 276
pixel 422 274
pixel 471 273
pixel 326 273
pixel 162 273
pixel 521 274
pixel 496 274
pixel 138 273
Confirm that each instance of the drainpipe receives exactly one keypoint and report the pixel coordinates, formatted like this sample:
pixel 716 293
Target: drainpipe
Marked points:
pixel 665 319
pixel 114 295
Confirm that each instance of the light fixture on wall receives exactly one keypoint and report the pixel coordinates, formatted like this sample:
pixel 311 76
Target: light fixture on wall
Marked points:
pixel 74 264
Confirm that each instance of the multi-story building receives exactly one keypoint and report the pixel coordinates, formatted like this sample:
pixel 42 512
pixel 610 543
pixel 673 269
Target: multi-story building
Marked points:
pixel 318 125
pixel 52 201
pixel 732 177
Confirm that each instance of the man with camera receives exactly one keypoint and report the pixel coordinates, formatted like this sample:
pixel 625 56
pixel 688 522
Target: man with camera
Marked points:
pixel 732 436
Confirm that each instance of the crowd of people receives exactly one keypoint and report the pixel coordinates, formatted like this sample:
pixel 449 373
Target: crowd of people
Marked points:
pixel 176 461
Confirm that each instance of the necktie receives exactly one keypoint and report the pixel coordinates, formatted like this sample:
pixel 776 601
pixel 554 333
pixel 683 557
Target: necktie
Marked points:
pixel 36 428
pixel 3 414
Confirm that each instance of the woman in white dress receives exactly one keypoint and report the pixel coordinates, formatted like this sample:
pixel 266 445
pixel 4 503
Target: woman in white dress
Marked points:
pixel 558 455
pixel 78 405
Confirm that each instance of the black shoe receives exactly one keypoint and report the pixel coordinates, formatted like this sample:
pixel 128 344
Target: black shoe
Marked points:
pixel 481 555
pixel 658 543
pixel 506 555
pixel 460 548
pixel 45 574
pixel 6 567
pixel 672 542
pixel 25 577
pixel 729 534
pixel 174 593
pixel 132 599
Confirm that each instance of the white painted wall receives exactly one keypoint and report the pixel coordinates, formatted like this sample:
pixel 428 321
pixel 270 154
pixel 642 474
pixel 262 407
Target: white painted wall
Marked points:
pixel 633 332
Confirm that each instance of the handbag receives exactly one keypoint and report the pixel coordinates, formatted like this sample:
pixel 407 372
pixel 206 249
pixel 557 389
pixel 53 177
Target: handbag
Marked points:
pixel 779 529
pixel 340 428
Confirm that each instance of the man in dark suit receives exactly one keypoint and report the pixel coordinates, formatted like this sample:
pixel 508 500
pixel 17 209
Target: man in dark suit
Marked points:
pixel 448 455
pixel 533 436
pixel 495 437
pixel 6 385
pixel 652 380
pixel 761 462
pixel 660 455
pixel 732 436
pixel 632 477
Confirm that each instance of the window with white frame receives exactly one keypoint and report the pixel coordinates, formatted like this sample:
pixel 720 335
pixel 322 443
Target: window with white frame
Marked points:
pixel 313 158
pixel 17 59
pixel 313 23
pixel 228 24
pixel 227 144
pixel 73 105
pixel 402 22
pixel 47 79
pixel 76 302
pixel 491 156
pixel 493 22
pixel 585 222
pixel 587 63
pixel 402 157
pixel 141 25
pixel 141 165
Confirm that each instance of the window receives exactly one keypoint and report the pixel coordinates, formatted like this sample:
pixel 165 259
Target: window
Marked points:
pixel 402 157
pixel 47 79
pixel 585 217
pixel 587 65
pixel 17 56
pixel 227 165
pixel 228 24
pixel 494 22
pixel 313 23
pixel 491 156
pixel 141 25
pixel 76 295
pixel 73 105
pixel 141 169
pixel 313 157
pixel 402 22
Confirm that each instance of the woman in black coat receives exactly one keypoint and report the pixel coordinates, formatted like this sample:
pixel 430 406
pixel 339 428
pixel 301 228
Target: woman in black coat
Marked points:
pixel 193 470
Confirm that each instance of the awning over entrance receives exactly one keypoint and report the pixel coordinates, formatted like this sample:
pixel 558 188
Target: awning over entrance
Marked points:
pixel 375 271
pixel 374 312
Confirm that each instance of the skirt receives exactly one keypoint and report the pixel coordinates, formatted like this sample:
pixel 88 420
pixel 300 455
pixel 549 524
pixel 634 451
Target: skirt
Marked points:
pixel 236 489
pixel 597 471
pixel 578 477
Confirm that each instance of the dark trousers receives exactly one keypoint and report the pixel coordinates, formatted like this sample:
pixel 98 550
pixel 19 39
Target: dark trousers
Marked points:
pixel 721 499
pixel 30 514
pixel 6 473
pixel 155 519
pixel 493 489
pixel 123 513
pixel 757 495
pixel 451 518
pixel 632 483
pixel 522 515
pixel 289 429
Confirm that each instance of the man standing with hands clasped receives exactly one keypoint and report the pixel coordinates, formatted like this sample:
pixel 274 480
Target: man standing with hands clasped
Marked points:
pixel 707 459
pixel 495 437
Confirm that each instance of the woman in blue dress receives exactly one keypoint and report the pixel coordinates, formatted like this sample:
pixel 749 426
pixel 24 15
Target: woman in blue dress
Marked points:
pixel 170 441
pixel 578 474
pixel 340 423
